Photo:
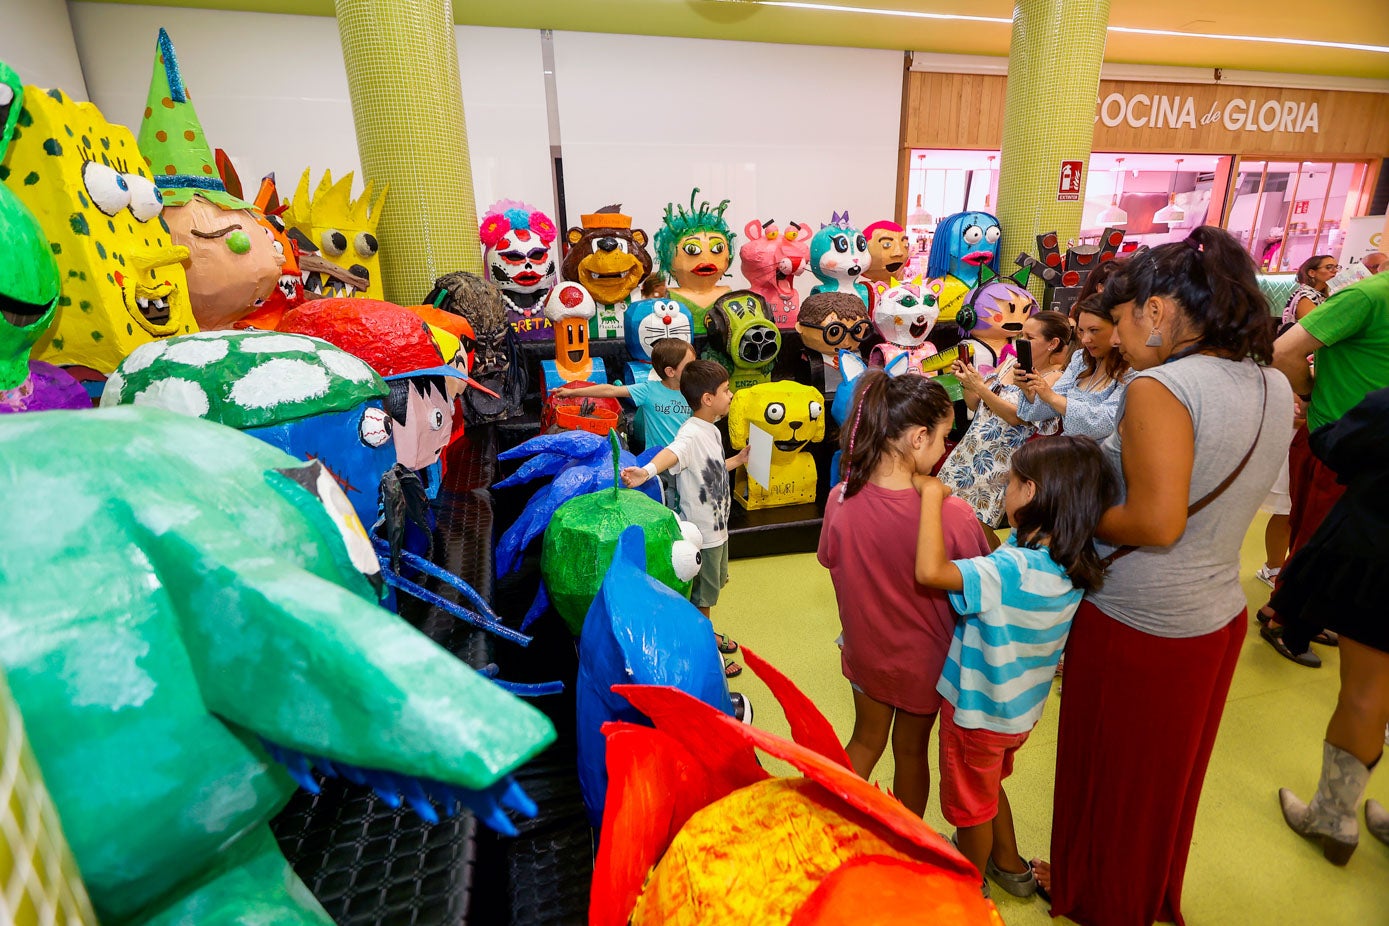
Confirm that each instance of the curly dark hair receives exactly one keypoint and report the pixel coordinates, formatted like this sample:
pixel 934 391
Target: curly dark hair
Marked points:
pixel 1211 278
pixel 1075 485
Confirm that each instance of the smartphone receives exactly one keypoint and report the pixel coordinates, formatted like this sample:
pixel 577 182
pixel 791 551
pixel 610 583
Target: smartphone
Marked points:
pixel 1024 349
pixel 967 352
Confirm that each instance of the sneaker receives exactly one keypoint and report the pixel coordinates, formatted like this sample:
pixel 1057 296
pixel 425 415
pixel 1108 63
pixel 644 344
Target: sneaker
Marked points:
pixel 742 708
pixel 1267 575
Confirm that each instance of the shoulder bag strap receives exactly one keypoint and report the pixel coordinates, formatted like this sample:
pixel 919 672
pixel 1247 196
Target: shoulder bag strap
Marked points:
pixel 1215 493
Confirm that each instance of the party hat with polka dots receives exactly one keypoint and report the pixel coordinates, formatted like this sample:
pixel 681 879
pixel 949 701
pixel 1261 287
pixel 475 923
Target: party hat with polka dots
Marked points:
pixel 172 140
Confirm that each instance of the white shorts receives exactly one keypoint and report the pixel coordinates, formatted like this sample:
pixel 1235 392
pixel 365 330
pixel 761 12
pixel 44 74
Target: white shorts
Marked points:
pixel 1278 501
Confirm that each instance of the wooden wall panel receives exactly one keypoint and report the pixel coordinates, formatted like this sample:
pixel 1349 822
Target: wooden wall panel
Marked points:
pixel 966 111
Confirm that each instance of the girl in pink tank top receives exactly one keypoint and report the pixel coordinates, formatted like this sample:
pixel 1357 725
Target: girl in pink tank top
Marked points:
pixel 896 632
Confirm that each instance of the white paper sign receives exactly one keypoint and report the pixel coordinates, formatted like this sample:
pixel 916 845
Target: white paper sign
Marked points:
pixel 759 456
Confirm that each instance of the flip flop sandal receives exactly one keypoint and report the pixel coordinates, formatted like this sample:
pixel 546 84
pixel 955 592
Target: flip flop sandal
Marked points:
pixel 726 643
pixel 1274 636
pixel 731 669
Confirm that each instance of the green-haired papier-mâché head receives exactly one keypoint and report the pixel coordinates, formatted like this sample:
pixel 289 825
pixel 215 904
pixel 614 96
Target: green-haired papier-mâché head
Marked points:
pixel 680 222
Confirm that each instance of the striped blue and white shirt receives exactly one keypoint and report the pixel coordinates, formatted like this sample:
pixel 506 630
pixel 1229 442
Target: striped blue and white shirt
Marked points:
pixel 1017 606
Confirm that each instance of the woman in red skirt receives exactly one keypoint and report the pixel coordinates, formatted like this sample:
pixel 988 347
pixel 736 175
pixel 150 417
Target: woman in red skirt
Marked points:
pixel 1201 435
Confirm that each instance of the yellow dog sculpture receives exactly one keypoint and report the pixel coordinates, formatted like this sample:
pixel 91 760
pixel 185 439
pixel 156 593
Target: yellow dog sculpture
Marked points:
pixel 794 415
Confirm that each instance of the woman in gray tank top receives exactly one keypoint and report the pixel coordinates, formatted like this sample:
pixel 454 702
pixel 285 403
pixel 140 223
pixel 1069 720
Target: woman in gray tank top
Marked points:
pixel 1201 434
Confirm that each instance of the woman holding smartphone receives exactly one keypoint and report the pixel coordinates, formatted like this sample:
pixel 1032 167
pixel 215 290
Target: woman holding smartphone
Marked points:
pixel 1086 397
pixel 977 469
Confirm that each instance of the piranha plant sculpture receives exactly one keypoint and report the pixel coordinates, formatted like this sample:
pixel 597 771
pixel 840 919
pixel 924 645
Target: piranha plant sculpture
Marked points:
pixel 218 642
pixel 28 290
pixel 696 831
pixel 582 511
pixel 794 414
pixel 694 247
pixel 638 630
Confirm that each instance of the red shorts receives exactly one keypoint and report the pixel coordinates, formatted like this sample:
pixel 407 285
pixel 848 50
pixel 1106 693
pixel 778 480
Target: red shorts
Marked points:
pixel 973 765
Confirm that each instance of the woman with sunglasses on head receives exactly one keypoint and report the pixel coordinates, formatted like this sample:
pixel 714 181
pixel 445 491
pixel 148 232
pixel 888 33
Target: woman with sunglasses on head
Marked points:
pixel 1200 435
pixel 1086 397
pixel 1313 279
pixel 977 469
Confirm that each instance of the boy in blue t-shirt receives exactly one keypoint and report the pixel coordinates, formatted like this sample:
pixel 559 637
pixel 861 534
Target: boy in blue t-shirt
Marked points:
pixel 1016 606
pixel 661 409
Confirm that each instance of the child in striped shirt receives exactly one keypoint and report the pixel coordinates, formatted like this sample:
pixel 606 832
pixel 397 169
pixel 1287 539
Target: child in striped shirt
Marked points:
pixel 1017 604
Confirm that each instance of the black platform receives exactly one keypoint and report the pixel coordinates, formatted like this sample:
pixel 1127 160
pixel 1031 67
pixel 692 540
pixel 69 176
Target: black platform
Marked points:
pixel 369 864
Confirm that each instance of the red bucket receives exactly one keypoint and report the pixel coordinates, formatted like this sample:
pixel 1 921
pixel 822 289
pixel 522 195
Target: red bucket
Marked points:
pixel 598 420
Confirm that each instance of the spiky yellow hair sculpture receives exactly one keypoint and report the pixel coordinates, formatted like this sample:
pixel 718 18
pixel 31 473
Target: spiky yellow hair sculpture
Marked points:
pixel 341 230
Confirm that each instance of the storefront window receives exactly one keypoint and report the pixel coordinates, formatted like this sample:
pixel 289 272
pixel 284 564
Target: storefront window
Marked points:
pixel 1284 212
pixel 1156 198
pixel 941 183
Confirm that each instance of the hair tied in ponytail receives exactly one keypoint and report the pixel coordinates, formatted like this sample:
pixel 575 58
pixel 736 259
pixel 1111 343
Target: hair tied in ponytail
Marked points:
pixel 853 431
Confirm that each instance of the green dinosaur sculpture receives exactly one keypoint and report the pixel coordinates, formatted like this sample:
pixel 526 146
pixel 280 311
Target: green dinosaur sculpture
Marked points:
pixel 180 604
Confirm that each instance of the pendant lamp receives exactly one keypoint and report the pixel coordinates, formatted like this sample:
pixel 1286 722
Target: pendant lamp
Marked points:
pixel 1171 214
pixel 1112 216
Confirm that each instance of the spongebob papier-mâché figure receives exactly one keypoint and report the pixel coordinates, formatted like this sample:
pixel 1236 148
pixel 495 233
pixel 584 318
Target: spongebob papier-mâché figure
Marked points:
pixel 29 290
pixel 794 415
pixel 87 184
pixel 232 263
pixel 331 225
pixel 695 247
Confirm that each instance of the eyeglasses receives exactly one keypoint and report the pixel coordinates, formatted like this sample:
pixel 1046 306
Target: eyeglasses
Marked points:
pixel 835 332
pixel 1331 267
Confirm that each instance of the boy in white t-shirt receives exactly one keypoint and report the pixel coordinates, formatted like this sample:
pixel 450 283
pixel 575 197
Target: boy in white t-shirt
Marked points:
pixel 696 458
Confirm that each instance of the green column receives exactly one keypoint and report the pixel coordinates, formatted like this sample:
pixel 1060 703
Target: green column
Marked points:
pixel 407 103
pixel 1049 117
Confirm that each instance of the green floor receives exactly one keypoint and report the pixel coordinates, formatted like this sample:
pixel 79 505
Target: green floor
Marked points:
pixel 1246 866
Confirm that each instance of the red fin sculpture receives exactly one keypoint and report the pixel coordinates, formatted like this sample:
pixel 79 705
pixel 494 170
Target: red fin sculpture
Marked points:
pixel 833 842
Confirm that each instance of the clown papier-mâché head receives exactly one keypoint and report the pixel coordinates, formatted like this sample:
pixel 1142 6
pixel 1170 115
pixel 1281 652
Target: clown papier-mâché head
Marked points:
pixel 770 260
pixel 965 242
pixel 517 241
pixel 570 307
pixel 694 246
pixel 839 258
pixel 607 257
pixel 232 262
pixel 887 244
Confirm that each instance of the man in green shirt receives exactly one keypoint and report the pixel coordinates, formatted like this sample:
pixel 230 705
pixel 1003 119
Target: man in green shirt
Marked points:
pixel 1349 335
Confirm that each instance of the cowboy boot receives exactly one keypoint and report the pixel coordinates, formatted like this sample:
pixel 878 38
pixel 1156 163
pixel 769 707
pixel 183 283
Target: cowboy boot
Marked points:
pixel 1377 820
pixel 1330 817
